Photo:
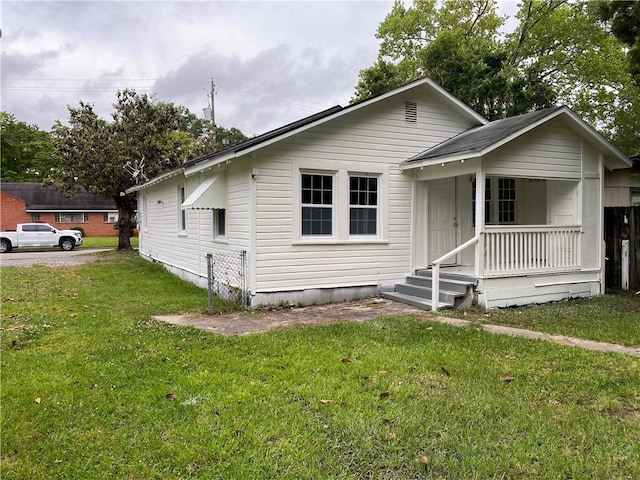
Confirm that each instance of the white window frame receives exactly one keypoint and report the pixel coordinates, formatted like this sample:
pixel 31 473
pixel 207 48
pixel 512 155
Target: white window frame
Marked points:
pixel 216 223
pixel 322 206
pixel 59 217
pixel 182 214
pixel 366 206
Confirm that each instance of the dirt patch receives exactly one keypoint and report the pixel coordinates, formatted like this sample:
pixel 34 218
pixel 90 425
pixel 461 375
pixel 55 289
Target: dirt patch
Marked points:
pixel 263 320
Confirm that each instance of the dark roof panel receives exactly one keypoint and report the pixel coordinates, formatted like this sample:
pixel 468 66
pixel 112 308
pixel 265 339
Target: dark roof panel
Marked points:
pixel 38 197
pixel 478 138
pixel 266 136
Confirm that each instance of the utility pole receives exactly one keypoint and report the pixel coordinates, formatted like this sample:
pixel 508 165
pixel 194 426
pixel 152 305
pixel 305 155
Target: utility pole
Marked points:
pixel 213 114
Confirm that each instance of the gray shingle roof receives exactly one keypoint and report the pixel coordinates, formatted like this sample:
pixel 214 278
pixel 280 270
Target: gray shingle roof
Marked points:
pixel 477 139
pixel 38 197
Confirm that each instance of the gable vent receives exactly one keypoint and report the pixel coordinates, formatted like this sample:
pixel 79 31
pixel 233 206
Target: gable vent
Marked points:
pixel 411 112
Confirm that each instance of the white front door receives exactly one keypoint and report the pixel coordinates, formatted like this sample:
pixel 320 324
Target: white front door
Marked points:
pixel 442 223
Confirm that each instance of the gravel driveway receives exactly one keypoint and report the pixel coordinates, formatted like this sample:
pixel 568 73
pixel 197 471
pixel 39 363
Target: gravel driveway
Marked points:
pixel 54 258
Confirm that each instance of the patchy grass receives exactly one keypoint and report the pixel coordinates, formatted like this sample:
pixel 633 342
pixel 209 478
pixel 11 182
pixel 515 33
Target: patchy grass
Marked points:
pixel 93 387
pixel 613 318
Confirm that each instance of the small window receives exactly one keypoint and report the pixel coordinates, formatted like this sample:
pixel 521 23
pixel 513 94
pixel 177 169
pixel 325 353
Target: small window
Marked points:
pixel 35 217
pixel 108 217
pixel 317 204
pixel 635 196
pixel 363 205
pixel 182 214
pixel 411 112
pixel 219 222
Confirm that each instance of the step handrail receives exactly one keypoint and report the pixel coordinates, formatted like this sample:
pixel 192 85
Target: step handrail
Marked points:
pixel 435 274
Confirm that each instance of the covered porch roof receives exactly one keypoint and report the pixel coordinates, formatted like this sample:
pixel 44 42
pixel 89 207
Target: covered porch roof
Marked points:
pixel 479 141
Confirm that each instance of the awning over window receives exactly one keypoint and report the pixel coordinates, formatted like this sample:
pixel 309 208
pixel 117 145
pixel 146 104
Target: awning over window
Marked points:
pixel 210 194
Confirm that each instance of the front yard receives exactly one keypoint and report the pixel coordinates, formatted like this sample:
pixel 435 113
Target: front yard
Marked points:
pixel 93 387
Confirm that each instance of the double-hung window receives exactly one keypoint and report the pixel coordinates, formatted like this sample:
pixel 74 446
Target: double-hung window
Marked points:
pixel 317 204
pixel 363 205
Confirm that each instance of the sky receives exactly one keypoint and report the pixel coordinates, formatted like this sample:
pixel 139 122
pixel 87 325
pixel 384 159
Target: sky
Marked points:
pixel 272 62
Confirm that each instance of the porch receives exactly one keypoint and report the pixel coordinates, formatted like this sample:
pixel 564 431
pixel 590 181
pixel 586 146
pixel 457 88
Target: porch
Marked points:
pixel 504 258
pixel 544 255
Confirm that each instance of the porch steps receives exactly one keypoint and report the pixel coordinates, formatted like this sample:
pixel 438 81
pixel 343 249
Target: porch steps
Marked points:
pixel 456 290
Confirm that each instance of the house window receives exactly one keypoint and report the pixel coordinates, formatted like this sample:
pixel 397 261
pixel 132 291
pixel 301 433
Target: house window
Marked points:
pixel 219 222
pixel 363 205
pixel 109 217
pixel 35 217
pixel 317 204
pixel 182 214
pixel 71 217
pixel 635 196
pixel 506 200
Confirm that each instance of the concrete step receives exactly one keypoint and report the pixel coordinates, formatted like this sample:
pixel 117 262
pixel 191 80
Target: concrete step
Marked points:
pixel 422 303
pixel 426 293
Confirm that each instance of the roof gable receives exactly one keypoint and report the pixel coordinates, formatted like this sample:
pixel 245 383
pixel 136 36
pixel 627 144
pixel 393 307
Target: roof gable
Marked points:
pixel 481 140
pixel 299 126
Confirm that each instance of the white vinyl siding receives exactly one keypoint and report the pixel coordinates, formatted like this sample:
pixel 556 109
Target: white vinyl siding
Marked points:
pixel 369 142
pixel 550 151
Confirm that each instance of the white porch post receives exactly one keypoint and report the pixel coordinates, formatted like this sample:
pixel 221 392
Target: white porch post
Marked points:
pixel 479 263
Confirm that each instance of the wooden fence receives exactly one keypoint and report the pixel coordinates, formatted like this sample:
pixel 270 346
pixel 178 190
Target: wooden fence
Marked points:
pixel 622 223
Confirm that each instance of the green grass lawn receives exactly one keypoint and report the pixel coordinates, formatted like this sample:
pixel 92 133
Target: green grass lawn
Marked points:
pixel 104 242
pixel 608 318
pixel 93 387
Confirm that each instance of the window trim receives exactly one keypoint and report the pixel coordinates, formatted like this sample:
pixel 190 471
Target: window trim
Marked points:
pixel 182 213
pixel 322 206
pixel 341 175
pixel 216 224
pixel 375 207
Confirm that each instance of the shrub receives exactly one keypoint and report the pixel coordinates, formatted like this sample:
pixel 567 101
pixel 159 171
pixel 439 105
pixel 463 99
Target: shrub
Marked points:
pixel 80 229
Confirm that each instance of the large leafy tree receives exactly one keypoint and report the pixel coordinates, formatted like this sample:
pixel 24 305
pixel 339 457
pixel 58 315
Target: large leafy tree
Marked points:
pixel 560 52
pixel 26 151
pixel 92 153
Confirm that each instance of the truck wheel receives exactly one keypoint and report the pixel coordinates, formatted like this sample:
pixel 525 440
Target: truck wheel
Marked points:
pixel 67 244
pixel 5 246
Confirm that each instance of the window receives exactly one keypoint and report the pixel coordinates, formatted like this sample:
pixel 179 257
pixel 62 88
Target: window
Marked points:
pixel 182 214
pixel 35 217
pixel 317 204
pixel 635 196
pixel 506 200
pixel 219 222
pixel 65 217
pixel 363 205
pixel 109 217
pixel 504 189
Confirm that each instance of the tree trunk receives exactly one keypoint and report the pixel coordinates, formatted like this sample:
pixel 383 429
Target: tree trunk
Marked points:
pixel 126 213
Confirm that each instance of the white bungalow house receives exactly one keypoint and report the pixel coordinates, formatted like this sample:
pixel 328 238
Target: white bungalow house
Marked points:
pixel 381 196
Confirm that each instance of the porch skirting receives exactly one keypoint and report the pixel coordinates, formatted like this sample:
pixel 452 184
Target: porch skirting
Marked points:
pixel 499 292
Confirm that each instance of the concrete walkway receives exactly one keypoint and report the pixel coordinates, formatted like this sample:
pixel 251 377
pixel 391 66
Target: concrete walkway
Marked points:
pixel 263 320
pixel 561 339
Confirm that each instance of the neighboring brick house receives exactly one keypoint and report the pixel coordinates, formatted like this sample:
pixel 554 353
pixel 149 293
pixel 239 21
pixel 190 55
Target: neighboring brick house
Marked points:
pixel 32 202
pixel 622 187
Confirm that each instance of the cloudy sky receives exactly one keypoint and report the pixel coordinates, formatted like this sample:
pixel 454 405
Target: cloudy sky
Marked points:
pixel 272 62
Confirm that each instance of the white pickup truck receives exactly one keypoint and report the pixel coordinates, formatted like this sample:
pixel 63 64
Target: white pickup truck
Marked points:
pixel 39 235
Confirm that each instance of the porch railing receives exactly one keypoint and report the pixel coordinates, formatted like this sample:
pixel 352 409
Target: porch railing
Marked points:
pixel 517 249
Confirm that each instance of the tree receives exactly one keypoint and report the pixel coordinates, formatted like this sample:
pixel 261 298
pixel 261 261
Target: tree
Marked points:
pixel 92 153
pixel 558 53
pixel 26 152
pixel 624 21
